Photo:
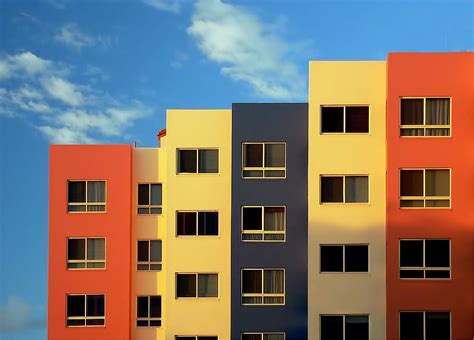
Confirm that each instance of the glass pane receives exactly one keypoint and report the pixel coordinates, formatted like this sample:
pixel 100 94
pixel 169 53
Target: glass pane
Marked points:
pixel 142 266
pixel 357 119
pixel 411 182
pixel 155 323
pixel 186 285
pixel 274 218
pixel 207 338
pixel 438 132
pixel 438 274
pixel 252 300
pixel 142 252
pixel 331 189
pixel 274 337
pixel 275 173
pixel 275 237
pixel 76 305
pixel 437 183
pixel 437 111
pixel 95 322
pixel 412 112
pixel 251 237
pixel 187 161
pixel 185 338
pixel 95 305
pixel 411 326
pixel 253 173
pixel 76 322
pixel 274 155
pixel 155 266
pixel 332 327
pixel 412 274
pixel 96 249
pixel 437 203
pixel 76 192
pixel 76 208
pixel 437 253
pixel 438 326
pixel 357 258
pixel 251 337
pixel 208 161
pixel 95 191
pixel 411 253
pixel 186 223
pixel 357 327
pixel 252 218
pixel 155 251
pixel 143 194
pixel 142 306
pixel 96 265
pixel 156 211
pixel 96 208
pixel 142 323
pixel 156 198
pixel 274 281
pixel 273 300
pixel 155 306
pixel 253 155
pixel 143 211
pixel 412 203
pixel 76 249
pixel 252 281
pixel 207 285
pixel 208 223
pixel 331 258
pixel 332 119
pixel 76 265
pixel 357 189
pixel 412 132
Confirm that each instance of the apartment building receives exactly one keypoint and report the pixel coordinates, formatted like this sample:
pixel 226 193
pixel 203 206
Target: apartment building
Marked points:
pixel 347 217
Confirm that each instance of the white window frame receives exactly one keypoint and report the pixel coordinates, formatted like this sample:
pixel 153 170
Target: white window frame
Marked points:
pixel 197 286
pixel 86 203
pixel 197 161
pixel 262 334
pixel 344 257
pixel 262 295
pixel 344 106
pixel 344 189
pixel 149 206
pixel 424 320
pixel 149 318
pixel 263 232
pixel 343 322
pixel 149 262
pixel 197 222
pixel 86 260
pixel 85 317
pixel 262 168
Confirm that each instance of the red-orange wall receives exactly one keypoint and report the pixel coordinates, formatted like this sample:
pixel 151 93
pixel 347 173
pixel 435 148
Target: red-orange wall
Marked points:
pixel 433 74
pixel 112 163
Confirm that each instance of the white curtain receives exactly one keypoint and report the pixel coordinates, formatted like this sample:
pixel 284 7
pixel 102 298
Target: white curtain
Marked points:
pixel 274 218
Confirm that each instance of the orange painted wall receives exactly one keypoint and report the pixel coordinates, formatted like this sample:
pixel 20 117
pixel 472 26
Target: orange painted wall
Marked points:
pixel 433 74
pixel 112 163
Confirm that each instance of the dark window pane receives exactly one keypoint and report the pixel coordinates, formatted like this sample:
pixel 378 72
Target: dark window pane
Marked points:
pixel 155 250
pixel 143 194
pixel 96 249
pixel 253 173
pixel 96 191
pixel 357 189
pixel 155 323
pixel 411 253
pixel 273 281
pixel 331 189
pixel 76 322
pixel 155 306
pixel 208 285
pixel 438 326
pixel 412 132
pixel 142 253
pixel 412 111
pixel 76 249
pixel 438 132
pixel 251 337
pixel 437 253
pixel 76 305
pixel 76 208
pixel 252 218
pixel 76 192
pixel 437 203
pixel 332 119
pixel 331 258
pixel 253 155
pixel 411 203
pixel 142 306
pixel 275 173
pixel 208 161
pixel 156 196
pixel 437 111
pixel 357 258
pixel 186 285
pixel 357 119
pixel 411 326
pixel 332 327
pixel 274 155
pixel 186 338
pixel 411 182
pixel 187 161
pixel 357 327
pixel 156 211
pixel 208 223
pixel 186 223
pixel 95 305
pixel 274 218
pixel 438 274
pixel 252 281
pixel 142 323
pixel 437 183
pixel 412 274
pixel 95 322
pixel 142 211
pixel 207 338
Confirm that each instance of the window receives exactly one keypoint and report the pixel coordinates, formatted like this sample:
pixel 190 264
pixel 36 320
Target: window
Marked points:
pixel 203 161
pixel 86 196
pixel 196 337
pixel 425 188
pixel 344 189
pixel 197 223
pixel 344 327
pixel 263 336
pixel 425 259
pixel 428 117
pixel 344 119
pixel 85 310
pixel 148 311
pixel 149 199
pixel 149 255
pixel 263 286
pixel 263 224
pixel 425 326
pixel 348 258
pixel 196 285
pixel 85 253
pixel 264 160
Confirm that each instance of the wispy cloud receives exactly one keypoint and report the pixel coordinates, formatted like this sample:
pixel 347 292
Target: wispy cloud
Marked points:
pixel 247 49
pixel 23 63
pixel 70 35
pixel 173 6
pixel 63 90
pixel 17 315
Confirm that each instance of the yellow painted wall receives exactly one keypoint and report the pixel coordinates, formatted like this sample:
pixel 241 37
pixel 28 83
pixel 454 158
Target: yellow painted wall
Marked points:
pixel 334 83
pixel 205 254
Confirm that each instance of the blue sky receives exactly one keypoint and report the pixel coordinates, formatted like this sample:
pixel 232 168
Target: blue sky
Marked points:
pixel 106 71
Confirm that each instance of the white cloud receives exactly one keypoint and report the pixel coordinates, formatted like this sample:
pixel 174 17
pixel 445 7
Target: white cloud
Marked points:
pixel 23 63
pixel 70 35
pixel 247 49
pixel 65 135
pixel 173 6
pixel 63 90
pixel 16 315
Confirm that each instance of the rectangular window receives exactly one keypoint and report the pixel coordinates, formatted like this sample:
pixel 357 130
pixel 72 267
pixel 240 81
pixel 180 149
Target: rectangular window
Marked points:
pixel 347 258
pixel 344 189
pixel 149 311
pixel 264 160
pixel 85 310
pixel 425 325
pixel 344 327
pixel 429 117
pixel 197 223
pixel 202 161
pixel 86 196
pixel 197 285
pixel 263 336
pixel 344 119
pixel 196 337
pixel 149 199
pixel 86 253
pixel 263 224
pixel 425 259
pixel 425 188
pixel 149 254
pixel 263 286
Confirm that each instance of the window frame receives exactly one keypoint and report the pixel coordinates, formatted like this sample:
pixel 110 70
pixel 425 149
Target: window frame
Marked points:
pixel 197 161
pixel 86 203
pixel 344 322
pixel 85 317
pixel 196 274
pixel 196 337
pixel 149 318
pixel 344 106
pixel 197 223
pixel 424 198
pixel 262 334
pixel 86 261
pixel 149 262
pixel 344 189
pixel 344 257
pixel 263 295
pixel 149 206
pixel 424 320
pixel 263 232
pixel 263 168
pixel 424 268
pixel 425 126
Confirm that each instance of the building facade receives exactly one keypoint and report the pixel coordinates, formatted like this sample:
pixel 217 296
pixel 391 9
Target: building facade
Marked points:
pixel 348 217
